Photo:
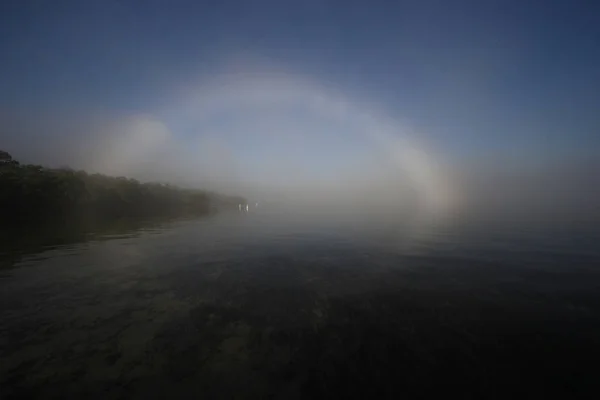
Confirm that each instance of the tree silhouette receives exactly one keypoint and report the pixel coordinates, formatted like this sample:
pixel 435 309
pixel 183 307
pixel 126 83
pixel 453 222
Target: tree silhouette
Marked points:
pixel 31 193
pixel 6 159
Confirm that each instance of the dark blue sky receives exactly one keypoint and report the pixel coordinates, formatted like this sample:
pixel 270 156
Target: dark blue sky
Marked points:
pixel 477 77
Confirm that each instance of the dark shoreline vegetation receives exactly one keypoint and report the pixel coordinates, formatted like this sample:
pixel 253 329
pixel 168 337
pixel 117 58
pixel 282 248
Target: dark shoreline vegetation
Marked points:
pixel 35 195
pixel 41 208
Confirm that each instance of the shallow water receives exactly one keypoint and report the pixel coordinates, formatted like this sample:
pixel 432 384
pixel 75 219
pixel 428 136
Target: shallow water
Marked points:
pixel 284 305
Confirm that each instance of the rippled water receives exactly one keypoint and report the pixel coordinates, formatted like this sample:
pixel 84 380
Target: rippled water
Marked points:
pixel 284 305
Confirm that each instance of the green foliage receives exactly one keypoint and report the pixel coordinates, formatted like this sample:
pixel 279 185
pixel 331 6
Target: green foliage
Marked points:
pixel 34 193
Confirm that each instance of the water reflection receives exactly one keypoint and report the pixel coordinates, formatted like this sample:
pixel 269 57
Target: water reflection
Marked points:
pixel 259 305
pixel 20 242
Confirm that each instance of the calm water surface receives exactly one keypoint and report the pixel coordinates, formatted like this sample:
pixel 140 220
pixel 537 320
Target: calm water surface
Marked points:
pixel 283 305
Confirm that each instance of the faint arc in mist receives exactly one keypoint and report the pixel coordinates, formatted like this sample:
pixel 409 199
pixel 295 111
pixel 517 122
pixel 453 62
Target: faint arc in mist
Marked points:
pixel 243 92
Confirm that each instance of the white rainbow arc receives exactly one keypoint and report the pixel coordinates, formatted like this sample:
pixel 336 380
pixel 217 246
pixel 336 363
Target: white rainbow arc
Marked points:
pixel 242 91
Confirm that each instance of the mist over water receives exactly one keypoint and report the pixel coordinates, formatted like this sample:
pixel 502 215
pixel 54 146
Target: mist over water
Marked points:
pixel 299 201
pixel 285 138
pixel 367 264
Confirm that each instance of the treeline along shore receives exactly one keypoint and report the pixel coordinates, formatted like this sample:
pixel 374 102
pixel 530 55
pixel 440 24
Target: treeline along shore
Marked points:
pixel 32 193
